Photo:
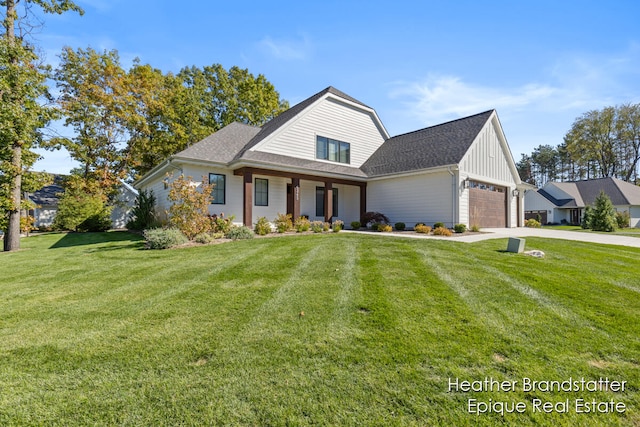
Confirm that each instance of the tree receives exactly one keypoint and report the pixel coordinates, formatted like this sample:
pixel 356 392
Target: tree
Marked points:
pixel 189 211
pixel 97 103
pixel 81 207
pixel 22 84
pixel 602 217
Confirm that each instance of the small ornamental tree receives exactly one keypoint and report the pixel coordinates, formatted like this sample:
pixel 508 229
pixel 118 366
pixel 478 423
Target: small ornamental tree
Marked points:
pixel 143 215
pixel 603 214
pixel 82 208
pixel 189 211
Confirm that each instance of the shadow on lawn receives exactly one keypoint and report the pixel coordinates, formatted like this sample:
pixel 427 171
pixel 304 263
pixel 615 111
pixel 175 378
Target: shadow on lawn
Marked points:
pixel 127 239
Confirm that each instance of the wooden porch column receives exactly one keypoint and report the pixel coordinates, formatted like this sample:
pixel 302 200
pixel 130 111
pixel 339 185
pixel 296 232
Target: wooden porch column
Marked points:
pixel 363 200
pixel 295 188
pixel 247 213
pixel 328 201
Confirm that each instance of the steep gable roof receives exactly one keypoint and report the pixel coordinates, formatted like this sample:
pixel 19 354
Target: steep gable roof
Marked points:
pixel 47 195
pixel 440 145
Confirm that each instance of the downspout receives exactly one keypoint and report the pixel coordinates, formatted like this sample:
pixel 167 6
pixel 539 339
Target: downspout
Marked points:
pixel 454 195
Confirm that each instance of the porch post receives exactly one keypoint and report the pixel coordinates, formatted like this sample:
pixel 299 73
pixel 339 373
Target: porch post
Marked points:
pixel 295 188
pixel 247 213
pixel 363 200
pixel 328 201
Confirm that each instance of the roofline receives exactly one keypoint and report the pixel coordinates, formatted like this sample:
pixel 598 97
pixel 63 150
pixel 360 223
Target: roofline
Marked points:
pixel 242 163
pixel 435 169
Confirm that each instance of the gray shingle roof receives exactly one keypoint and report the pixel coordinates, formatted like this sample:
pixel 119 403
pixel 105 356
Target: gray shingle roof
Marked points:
pixel 47 195
pixel 439 145
pixel 222 146
pixel 620 192
pixel 311 165
pixel 585 192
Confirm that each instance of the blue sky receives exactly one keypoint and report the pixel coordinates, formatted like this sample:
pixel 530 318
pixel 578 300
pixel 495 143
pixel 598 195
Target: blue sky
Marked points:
pixel 540 64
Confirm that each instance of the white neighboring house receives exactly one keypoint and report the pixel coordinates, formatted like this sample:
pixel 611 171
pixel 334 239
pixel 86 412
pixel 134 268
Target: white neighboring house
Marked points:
pixel 330 157
pixel 564 202
pixel 46 204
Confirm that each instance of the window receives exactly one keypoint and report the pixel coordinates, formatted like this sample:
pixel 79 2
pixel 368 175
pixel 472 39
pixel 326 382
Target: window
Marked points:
pixel 332 150
pixel 262 192
pixel 218 192
pixel 320 202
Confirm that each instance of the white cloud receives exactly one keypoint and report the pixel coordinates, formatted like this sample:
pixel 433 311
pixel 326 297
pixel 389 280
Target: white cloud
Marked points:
pixel 286 49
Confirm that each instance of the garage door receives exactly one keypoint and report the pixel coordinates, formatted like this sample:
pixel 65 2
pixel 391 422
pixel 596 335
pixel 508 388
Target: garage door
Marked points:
pixel 487 205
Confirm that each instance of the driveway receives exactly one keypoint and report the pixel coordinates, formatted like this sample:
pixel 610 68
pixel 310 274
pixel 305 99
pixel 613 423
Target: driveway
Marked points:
pixel 500 233
pixel 496 233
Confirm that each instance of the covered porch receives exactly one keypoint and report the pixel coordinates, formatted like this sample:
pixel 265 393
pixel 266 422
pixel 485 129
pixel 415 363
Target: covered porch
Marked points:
pixel 294 191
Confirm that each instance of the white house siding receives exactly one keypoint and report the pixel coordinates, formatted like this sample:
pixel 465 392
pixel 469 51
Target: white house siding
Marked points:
pixel 44 216
pixel 488 160
pixel 426 198
pixel 534 201
pixel 634 212
pixel 348 201
pixel 331 119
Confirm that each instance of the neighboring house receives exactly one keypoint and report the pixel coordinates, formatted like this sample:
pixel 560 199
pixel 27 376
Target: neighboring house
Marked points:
pixel 330 157
pixel 46 204
pixel 124 203
pixel 564 202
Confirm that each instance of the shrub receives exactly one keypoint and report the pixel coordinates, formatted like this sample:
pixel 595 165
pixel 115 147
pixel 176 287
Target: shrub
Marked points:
pixel 337 225
pixel 623 219
pixel 326 226
pixel 586 218
pixel 143 214
pixel 189 211
pixel 262 227
pixel 384 228
pixel 283 223
pixel 373 217
pixel 220 224
pixel 164 238
pixel 438 225
pixel 421 228
pixel 460 228
pixel 532 223
pixel 375 225
pixel 204 238
pixel 400 226
pixel 355 225
pixel 475 228
pixel 317 226
pixel 442 231
pixel 302 224
pixel 79 210
pixel 240 233
pixel 26 223
pixel 100 221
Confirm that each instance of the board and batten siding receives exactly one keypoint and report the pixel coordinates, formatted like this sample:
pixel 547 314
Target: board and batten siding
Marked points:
pixel 332 119
pixel 634 213
pixel 348 201
pixel 489 161
pixel 426 198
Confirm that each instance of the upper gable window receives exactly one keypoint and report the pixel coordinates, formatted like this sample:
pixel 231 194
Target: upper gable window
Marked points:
pixel 332 150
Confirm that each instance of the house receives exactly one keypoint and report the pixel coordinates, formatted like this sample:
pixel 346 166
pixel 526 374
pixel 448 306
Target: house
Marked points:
pixel 564 202
pixel 330 157
pixel 46 204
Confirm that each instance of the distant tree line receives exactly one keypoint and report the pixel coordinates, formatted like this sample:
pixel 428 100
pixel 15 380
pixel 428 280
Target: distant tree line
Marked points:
pixel 601 143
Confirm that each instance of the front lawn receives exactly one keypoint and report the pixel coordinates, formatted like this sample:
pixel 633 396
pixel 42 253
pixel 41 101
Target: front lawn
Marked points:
pixel 633 232
pixel 335 329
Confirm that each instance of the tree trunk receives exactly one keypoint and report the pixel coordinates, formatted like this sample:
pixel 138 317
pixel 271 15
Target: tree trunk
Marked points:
pixel 12 236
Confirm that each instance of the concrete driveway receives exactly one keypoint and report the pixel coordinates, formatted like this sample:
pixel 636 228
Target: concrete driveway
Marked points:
pixel 499 233
pixel 496 233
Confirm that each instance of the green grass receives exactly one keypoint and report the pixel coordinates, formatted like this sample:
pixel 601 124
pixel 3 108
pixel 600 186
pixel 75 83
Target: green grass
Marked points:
pixel 96 331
